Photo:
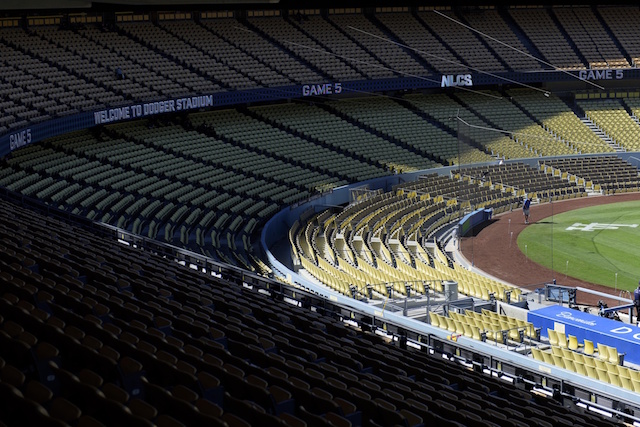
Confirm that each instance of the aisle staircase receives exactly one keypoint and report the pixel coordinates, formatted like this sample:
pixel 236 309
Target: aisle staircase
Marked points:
pixel 606 138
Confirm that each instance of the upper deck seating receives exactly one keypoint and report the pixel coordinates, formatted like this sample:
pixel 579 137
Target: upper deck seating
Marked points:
pixel 489 21
pixel 413 33
pixel 556 116
pixel 592 40
pixel 620 22
pixel 540 28
pixel 392 56
pixel 462 41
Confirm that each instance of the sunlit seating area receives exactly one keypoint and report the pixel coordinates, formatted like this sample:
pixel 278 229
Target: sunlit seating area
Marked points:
pixel 378 242
pixel 611 117
pixel 505 115
pixel 594 360
pixel 486 325
pixel 469 127
pixel 558 119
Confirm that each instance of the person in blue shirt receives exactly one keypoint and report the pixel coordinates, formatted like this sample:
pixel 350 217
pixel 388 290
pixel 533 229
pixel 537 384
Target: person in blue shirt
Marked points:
pixel 636 303
pixel 525 209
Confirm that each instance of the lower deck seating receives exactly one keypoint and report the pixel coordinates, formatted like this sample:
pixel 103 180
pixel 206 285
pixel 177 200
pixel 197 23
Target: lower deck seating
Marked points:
pixel 609 173
pixel 378 241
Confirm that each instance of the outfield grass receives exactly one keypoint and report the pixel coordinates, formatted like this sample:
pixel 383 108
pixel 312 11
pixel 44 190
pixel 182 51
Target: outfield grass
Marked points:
pixel 594 256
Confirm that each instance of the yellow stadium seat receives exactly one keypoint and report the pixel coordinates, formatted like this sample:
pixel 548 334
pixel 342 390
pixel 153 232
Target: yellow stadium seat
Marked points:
pixel 614 379
pixel 558 361
pixel 568 354
pixel 589 348
pixel 434 319
pixel 459 327
pixel 627 383
pixel 603 351
pixel 451 326
pixel 537 354
pixel 634 374
pixel 573 343
pixel 614 357
pixel 569 364
pixel 591 372
pixel 548 357
pixel 623 371
pixel 603 375
pixel 476 333
pixel 467 330
pixel 601 364
pixel 580 368
pixel 590 361
pixel 562 339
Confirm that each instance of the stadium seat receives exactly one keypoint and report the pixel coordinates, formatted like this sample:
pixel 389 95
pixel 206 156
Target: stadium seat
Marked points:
pixel 589 349
pixel 603 352
pixel 614 357
pixel 562 339
pixel 573 343
pixel 97 332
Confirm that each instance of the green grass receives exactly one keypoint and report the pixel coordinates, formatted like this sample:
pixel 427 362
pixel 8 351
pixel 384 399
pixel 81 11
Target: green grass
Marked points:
pixel 594 256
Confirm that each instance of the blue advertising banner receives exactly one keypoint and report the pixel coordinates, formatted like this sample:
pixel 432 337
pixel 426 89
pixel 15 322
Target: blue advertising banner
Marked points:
pixel 623 336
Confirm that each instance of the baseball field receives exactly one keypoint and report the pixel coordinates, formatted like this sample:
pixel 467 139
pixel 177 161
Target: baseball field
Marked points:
pixel 598 244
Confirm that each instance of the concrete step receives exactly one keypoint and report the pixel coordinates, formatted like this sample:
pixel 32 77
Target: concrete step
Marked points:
pixel 602 135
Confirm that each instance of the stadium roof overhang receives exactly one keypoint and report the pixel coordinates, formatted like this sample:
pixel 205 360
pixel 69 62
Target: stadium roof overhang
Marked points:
pixel 86 4
pixel 294 4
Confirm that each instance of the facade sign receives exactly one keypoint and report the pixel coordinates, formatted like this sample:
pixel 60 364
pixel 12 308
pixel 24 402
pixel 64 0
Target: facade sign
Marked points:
pixel 322 89
pixel 151 108
pixel 456 80
pixel 601 74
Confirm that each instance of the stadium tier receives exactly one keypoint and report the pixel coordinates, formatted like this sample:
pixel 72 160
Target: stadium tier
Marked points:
pixel 380 239
pixel 146 151
pixel 610 173
pixel 209 181
pixel 100 332
pixel 53 70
